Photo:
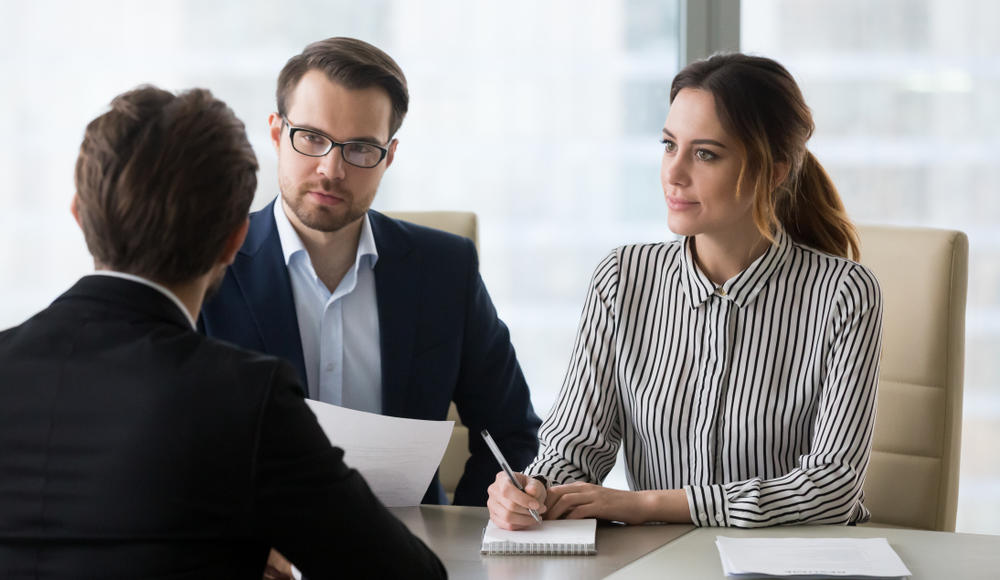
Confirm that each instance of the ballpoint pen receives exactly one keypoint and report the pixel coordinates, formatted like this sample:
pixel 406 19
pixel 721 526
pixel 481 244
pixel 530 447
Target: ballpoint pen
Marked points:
pixel 503 463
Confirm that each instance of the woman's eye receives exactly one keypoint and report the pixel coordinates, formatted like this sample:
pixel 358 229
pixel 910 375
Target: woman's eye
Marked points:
pixel 705 155
pixel 669 146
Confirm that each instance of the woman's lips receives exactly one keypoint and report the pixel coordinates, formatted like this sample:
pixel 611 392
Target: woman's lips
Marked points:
pixel 680 204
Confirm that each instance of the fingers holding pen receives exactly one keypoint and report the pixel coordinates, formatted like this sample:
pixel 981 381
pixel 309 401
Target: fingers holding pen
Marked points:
pixel 509 506
pixel 533 496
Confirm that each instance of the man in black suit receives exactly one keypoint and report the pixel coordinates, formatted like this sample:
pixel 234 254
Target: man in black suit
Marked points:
pixel 130 445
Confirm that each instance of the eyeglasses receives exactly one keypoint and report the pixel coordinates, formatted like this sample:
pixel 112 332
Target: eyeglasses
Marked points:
pixel 313 144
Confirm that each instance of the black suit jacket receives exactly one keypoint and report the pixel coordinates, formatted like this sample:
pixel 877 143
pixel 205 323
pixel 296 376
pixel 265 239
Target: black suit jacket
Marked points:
pixel 441 338
pixel 133 447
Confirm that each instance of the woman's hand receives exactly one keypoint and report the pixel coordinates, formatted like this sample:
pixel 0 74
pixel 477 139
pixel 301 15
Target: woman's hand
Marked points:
pixel 580 500
pixel 509 506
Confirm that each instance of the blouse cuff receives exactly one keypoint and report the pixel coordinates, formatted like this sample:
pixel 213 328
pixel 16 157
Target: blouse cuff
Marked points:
pixel 708 505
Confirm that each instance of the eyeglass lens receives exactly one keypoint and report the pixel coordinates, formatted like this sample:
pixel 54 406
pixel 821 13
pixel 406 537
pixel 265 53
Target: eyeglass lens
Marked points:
pixel 355 153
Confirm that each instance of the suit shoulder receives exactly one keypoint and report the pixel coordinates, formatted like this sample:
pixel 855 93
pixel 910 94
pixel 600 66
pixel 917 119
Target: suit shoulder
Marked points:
pixel 243 362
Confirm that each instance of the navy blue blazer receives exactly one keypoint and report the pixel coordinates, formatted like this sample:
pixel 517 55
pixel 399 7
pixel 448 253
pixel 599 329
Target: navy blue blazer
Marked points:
pixel 441 339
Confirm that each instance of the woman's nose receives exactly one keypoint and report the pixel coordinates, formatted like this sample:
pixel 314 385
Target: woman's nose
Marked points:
pixel 675 170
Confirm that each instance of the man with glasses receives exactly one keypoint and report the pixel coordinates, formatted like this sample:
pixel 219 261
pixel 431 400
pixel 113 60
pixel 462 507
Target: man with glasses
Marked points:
pixel 376 314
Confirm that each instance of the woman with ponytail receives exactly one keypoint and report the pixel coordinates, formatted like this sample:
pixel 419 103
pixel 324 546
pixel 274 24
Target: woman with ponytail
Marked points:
pixel 737 366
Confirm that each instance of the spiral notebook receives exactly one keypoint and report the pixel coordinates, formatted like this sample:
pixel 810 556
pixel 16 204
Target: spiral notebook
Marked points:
pixel 570 537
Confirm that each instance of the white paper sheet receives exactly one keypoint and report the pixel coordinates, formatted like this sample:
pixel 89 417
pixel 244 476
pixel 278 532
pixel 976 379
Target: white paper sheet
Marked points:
pixel 397 457
pixel 805 557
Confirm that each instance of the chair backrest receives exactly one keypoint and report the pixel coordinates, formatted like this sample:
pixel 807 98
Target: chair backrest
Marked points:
pixel 462 223
pixel 912 479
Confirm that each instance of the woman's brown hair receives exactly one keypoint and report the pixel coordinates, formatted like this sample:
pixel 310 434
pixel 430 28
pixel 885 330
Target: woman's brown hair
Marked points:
pixel 759 103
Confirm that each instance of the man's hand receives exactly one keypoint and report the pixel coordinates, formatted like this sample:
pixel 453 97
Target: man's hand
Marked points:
pixel 278 568
pixel 580 500
pixel 509 506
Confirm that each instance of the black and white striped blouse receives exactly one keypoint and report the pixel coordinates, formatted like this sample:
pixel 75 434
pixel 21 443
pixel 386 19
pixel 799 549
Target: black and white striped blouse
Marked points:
pixel 756 397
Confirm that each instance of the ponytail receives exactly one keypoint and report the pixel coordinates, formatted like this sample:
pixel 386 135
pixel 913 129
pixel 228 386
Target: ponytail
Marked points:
pixel 813 214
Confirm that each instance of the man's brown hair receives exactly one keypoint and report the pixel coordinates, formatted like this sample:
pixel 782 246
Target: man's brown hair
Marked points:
pixel 350 62
pixel 161 181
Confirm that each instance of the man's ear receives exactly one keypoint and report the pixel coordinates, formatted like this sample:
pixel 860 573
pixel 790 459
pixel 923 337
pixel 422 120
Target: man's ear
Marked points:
pixel 234 242
pixel 274 123
pixel 392 152
pixel 75 210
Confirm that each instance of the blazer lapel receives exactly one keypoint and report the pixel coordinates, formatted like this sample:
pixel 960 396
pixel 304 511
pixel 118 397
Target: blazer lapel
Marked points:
pixel 395 273
pixel 261 274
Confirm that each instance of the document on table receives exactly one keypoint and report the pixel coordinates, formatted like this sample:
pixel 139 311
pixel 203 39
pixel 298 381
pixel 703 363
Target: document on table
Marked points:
pixel 397 457
pixel 809 558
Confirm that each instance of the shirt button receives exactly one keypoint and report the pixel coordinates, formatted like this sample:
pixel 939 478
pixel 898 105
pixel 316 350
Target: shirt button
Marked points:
pixel 720 291
pixel 702 516
pixel 329 367
pixel 718 517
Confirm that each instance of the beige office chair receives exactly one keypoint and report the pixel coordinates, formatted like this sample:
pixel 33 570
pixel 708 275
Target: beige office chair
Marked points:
pixel 913 475
pixel 462 223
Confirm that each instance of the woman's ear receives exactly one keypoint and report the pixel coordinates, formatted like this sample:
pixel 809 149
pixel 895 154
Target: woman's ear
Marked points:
pixel 780 174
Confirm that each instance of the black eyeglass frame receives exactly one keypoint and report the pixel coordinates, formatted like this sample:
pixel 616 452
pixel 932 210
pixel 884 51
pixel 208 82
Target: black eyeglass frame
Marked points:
pixel 292 130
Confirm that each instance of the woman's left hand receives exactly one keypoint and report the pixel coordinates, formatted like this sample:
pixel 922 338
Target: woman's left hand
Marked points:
pixel 580 500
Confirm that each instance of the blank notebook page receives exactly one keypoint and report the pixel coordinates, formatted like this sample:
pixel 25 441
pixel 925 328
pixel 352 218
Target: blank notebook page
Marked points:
pixel 551 537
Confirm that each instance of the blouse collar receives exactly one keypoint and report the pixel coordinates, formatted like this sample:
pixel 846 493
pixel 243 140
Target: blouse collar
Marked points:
pixel 742 288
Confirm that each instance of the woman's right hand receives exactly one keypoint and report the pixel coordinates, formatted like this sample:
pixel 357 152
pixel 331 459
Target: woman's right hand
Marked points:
pixel 509 506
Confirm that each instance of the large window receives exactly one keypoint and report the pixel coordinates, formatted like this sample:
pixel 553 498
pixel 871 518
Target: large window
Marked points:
pixel 542 117
pixel 904 95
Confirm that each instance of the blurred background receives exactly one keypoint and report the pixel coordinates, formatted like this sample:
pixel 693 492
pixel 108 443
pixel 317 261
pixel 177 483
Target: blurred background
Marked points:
pixel 544 119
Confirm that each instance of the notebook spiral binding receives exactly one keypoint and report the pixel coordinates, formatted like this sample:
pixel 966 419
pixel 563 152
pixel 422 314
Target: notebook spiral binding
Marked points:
pixel 522 549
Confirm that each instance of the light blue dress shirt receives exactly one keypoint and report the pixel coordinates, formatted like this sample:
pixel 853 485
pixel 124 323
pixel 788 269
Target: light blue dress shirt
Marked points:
pixel 339 329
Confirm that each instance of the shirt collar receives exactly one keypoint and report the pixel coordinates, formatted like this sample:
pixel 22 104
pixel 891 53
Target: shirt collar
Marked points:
pixel 742 288
pixel 291 243
pixel 159 287
pixel 366 244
